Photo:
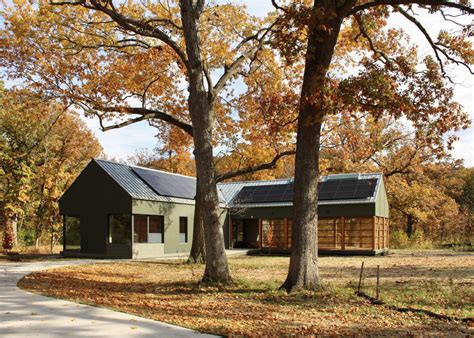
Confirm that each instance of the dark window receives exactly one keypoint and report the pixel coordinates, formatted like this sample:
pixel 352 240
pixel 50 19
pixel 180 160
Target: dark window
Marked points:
pixel 156 229
pixel 72 233
pixel 120 229
pixel 183 229
pixel 140 229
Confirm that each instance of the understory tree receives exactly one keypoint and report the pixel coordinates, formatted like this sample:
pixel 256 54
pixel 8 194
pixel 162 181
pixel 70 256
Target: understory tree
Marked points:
pixel 43 147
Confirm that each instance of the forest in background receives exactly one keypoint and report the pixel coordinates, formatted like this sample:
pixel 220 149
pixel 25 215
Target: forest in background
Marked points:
pixel 43 148
pixel 431 197
pixel 430 193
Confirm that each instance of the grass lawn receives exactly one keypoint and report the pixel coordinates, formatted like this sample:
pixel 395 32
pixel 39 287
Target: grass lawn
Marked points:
pixel 168 291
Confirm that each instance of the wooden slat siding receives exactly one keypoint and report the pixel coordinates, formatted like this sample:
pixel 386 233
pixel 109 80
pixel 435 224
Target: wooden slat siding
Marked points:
pixel 286 232
pixel 388 232
pixel 343 235
pixel 374 240
pixel 335 231
pixel 260 233
pixel 379 232
pixel 231 235
pixel 383 233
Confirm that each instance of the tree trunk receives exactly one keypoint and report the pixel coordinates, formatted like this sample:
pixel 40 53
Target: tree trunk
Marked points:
pixel 202 117
pixel 303 270
pixel 8 239
pixel 14 223
pixel 198 250
pixel 410 229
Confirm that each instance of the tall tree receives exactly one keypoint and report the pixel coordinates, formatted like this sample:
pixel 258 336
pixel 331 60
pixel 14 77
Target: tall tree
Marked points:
pixel 43 147
pixel 107 56
pixel 390 77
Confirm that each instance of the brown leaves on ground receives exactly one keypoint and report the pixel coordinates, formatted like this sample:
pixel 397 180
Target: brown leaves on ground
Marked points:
pixel 169 291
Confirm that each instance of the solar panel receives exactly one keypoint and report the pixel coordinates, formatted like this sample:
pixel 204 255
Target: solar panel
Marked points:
pixel 168 184
pixel 343 189
pixel 266 193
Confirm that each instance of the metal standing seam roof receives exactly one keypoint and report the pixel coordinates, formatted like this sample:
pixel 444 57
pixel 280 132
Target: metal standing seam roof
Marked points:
pixel 138 189
pixel 123 174
pixel 230 191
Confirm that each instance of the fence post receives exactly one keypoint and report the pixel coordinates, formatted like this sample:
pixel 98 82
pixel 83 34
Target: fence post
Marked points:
pixel 360 277
pixel 378 280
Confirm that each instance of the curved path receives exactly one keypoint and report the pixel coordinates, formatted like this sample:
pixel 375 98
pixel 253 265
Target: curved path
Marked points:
pixel 24 314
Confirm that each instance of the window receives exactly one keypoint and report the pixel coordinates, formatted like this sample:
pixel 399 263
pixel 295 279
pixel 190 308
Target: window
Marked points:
pixel 148 229
pixel 120 229
pixel 273 233
pixel 183 229
pixel 72 233
pixel 156 229
pixel 140 229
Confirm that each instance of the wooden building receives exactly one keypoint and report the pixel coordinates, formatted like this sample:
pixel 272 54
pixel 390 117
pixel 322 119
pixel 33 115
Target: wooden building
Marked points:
pixel 119 211
pixel 353 214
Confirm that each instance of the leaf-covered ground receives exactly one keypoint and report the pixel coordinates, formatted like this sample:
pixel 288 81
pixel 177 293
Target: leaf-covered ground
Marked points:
pixel 169 291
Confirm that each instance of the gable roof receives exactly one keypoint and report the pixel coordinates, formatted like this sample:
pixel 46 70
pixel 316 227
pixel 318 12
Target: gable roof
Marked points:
pixel 157 185
pixel 333 189
pixel 138 188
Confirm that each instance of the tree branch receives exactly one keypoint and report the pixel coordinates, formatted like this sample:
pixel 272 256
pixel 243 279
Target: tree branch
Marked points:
pixel 252 169
pixel 149 114
pixel 366 35
pixel 436 48
pixel 143 28
pixel 429 3
pixel 232 69
pixel 123 124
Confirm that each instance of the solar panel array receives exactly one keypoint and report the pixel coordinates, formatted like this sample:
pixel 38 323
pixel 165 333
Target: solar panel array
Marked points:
pixel 265 193
pixel 168 184
pixel 346 189
pixel 342 189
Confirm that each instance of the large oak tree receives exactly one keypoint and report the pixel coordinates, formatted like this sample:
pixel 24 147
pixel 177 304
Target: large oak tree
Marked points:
pixel 391 79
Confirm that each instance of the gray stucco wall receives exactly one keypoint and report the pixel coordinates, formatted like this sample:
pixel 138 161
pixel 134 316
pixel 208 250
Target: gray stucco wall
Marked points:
pixel 93 196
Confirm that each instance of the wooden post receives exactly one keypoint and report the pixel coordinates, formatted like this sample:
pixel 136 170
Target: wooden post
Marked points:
pixel 378 280
pixel 360 277
pixel 343 235
pixel 286 232
pixel 383 232
pixel 374 225
pixel 64 233
pixel 231 233
pixel 335 232
pixel 260 233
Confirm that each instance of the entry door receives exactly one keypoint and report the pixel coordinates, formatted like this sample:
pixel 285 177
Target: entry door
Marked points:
pixel 237 233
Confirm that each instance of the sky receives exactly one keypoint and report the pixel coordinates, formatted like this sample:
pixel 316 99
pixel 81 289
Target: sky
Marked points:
pixel 122 143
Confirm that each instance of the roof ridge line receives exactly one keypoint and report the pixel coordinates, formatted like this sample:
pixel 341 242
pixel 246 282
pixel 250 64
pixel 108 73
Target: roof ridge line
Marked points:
pixel 137 166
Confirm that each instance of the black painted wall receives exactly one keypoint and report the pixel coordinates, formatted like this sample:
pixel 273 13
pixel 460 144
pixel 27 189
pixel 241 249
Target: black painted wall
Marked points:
pixel 93 196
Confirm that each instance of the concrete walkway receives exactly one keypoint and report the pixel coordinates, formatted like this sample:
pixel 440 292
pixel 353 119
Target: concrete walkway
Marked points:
pixel 23 314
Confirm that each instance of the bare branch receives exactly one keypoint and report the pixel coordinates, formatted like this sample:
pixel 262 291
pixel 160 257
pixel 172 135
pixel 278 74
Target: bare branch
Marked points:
pixel 428 3
pixel 252 169
pixel 124 123
pixel 150 114
pixel 277 6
